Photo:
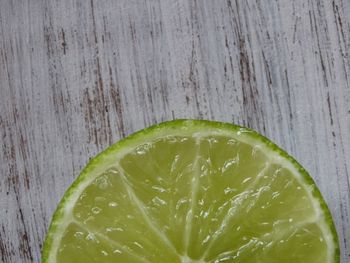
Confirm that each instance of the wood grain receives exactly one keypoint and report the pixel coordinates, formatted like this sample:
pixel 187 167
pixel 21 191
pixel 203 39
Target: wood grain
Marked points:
pixel 76 76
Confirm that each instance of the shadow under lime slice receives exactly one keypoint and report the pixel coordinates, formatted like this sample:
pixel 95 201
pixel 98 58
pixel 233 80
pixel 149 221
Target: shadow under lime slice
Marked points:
pixel 192 191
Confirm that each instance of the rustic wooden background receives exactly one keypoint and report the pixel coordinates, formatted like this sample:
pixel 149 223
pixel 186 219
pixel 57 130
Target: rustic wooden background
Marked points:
pixel 76 76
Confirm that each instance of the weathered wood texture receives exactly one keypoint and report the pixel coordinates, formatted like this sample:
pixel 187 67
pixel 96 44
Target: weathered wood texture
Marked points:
pixel 76 76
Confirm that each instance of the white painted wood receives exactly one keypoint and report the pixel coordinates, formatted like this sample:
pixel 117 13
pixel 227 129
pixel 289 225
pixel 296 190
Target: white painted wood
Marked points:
pixel 76 76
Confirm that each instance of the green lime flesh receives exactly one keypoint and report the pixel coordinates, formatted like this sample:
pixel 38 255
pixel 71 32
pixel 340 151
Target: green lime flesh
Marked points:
pixel 191 191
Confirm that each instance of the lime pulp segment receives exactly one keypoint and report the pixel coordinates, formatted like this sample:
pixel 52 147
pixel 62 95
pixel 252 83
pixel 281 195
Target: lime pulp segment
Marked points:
pixel 191 191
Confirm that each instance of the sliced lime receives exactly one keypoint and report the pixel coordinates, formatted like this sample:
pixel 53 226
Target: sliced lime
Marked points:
pixel 192 191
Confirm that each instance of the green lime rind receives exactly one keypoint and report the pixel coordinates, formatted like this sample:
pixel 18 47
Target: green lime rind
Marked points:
pixel 138 137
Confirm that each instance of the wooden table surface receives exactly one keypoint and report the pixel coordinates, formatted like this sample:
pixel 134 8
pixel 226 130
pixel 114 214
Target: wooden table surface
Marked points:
pixel 76 76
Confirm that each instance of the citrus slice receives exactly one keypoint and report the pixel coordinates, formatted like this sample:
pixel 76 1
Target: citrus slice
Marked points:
pixel 192 191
